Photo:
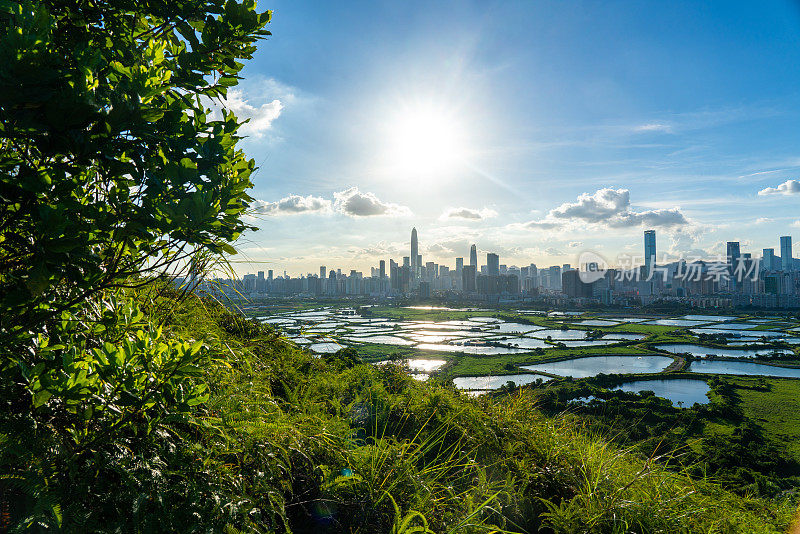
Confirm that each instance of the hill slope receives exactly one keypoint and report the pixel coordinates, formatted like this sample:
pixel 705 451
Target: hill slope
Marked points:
pixel 286 441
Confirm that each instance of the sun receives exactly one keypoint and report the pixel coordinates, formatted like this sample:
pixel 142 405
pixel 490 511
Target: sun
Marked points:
pixel 425 140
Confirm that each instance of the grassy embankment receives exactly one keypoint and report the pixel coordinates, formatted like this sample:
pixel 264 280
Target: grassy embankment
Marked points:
pixel 308 443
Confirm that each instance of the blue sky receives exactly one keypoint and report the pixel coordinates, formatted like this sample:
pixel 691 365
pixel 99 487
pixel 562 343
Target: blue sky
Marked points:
pixel 537 130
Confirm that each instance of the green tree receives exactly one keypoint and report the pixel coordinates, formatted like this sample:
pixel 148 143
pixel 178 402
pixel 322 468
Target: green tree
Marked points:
pixel 112 171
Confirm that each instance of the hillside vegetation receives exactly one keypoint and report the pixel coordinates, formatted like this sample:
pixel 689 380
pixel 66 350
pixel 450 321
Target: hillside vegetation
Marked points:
pixel 129 406
pixel 277 440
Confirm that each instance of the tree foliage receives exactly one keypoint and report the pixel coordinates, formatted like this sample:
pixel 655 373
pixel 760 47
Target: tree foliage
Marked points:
pixel 111 164
pixel 113 170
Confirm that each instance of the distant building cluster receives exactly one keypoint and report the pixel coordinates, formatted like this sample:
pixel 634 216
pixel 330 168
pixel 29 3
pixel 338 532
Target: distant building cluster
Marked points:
pixel 735 280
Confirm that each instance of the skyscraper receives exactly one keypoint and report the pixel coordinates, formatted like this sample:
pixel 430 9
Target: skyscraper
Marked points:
pixel 492 264
pixel 459 265
pixel 414 253
pixel 786 253
pixel 733 261
pixel 649 251
pixel 733 253
pixel 382 269
pixel 768 259
pixel 322 273
pixel 473 257
pixel 468 275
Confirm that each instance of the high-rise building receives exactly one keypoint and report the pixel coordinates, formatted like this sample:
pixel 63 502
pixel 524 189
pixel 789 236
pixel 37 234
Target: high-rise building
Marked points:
pixel 768 259
pixel 649 251
pixel 492 264
pixel 322 271
pixel 414 253
pixel 468 275
pixel 786 254
pixel 733 254
pixel 261 283
pixel 382 269
pixel 473 257
pixel 459 266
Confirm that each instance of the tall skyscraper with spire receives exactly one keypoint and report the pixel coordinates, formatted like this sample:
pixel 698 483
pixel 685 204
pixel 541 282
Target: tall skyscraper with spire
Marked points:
pixel 473 257
pixel 414 253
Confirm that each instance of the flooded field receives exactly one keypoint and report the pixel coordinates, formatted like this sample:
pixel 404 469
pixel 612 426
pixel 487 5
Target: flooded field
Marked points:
pixel 327 330
pixel 683 392
pixel 594 365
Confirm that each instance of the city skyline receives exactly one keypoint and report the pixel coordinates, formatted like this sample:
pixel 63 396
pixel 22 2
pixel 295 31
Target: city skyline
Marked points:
pixel 647 257
pixel 739 279
pixel 530 129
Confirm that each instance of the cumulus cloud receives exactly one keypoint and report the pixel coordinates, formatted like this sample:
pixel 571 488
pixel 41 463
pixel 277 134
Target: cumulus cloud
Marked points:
pixel 553 252
pixel 575 244
pixel 685 243
pixel 291 205
pixel 610 208
pixel 598 207
pixel 789 187
pixel 651 218
pixel 764 220
pixel 258 100
pixel 468 214
pixel 355 203
pixel 351 202
pixel 260 116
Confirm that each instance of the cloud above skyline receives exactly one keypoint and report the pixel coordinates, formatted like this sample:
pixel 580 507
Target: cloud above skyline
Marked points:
pixel 351 202
pixel 789 187
pixel 356 203
pixel 291 205
pixel 609 208
pixel 469 214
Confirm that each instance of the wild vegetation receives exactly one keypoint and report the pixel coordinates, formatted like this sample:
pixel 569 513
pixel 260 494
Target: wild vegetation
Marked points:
pixel 130 405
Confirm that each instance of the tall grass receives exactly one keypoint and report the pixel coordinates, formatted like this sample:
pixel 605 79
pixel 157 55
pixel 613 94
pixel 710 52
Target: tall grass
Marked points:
pixel 303 444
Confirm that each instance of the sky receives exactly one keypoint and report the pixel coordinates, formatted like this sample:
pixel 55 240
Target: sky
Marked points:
pixel 536 130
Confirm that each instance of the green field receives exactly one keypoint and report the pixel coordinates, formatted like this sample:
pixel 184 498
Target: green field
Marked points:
pixel 777 410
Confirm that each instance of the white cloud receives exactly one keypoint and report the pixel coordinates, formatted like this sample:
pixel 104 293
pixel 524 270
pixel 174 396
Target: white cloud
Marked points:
pixel 468 214
pixel 291 205
pixel 258 100
pixel 789 187
pixel 654 127
pixel 796 224
pixel 651 218
pixel 575 244
pixel 763 220
pixel 259 116
pixel 610 208
pixel 351 202
pixel 538 225
pixel 553 252
pixel 598 207
pixel 355 203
